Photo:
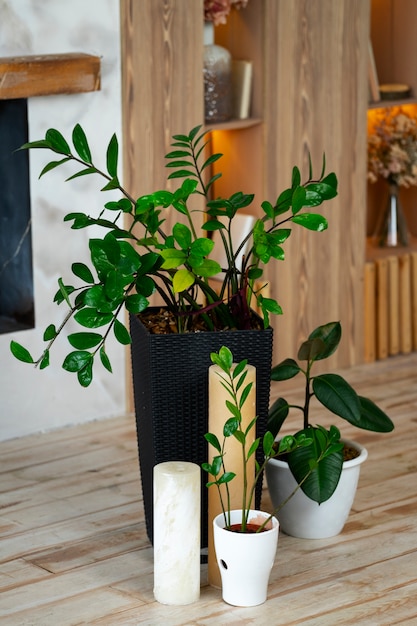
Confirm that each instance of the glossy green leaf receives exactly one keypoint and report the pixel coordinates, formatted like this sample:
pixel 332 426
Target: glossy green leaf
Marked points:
pixel 177 154
pixel 337 396
pixel 57 142
pixel 84 341
pixel 112 184
pixel 105 360
pixel 52 165
pixel 323 479
pixel 183 279
pixel 277 415
pixel 50 333
pixel 44 361
pixel 112 157
pixel 80 142
pixel 136 303
pixel 296 177
pixel 285 370
pixel 298 199
pixel 91 318
pixel 202 246
pixel 76 360
pixel 330 334
pixel 121 333
pixel 373 418
pixel 173 258
pixel 213 441
pixel 59 296
pixel 82 271
pixel 182 235
pixel 124 205
pixel 209 268
pixel 20 353
pixel 85 375
pixel 86 171
pixel 64 291
pixel 312 221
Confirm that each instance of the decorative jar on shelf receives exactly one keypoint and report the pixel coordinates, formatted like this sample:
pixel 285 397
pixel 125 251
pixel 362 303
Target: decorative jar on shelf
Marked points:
pixel 391 228
pixel 217 79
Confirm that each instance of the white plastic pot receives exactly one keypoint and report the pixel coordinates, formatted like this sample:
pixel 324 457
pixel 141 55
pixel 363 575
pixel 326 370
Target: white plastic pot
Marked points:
pixel 304 518
pixel 245 560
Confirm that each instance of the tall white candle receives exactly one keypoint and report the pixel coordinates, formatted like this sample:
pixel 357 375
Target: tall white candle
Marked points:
pixel 218 414
pixel 176 532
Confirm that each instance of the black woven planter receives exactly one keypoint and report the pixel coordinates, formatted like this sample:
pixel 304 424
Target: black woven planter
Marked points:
pixel 170 380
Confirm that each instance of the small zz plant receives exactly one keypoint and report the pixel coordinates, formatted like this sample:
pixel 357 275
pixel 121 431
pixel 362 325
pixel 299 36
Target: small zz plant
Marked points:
pixel 233 380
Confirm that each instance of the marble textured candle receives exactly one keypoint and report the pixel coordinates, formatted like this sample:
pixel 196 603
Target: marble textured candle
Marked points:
pixel 218 414
pixel 177 532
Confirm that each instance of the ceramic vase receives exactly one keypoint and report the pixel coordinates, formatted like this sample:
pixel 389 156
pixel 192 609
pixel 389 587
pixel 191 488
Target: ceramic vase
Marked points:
pixel 391 231
pixel 302 517
pixel 217 79
pixel 245 560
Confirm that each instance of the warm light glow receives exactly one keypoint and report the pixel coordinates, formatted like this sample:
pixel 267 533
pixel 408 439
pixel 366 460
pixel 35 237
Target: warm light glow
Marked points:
pixel 375 114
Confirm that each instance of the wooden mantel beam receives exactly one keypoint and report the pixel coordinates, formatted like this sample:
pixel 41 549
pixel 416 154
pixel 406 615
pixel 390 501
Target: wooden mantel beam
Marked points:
pixel 48 74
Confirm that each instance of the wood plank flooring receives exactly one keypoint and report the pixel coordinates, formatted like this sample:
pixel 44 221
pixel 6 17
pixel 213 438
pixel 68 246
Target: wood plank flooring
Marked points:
pixel 73 547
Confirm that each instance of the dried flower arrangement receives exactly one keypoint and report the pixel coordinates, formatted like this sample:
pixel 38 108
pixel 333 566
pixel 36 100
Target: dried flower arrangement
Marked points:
pixel 392 147
pixel 216 11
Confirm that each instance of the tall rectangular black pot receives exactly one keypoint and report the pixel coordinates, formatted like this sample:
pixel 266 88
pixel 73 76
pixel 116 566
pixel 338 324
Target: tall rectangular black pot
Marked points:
pixel 170 381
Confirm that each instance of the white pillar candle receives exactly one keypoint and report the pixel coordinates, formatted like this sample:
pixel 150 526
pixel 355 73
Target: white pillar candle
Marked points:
pixel 218 414
pixel 176 532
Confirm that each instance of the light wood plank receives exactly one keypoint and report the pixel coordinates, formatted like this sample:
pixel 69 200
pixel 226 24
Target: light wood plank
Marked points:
pixel 393 306
pixel 413 258
pixel 382 308
pixel 369 312
pixel 405 304
pixel 77 551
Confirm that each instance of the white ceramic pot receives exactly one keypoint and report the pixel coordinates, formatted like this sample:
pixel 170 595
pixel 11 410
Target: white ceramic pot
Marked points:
pixel 304 518
pixel 245 560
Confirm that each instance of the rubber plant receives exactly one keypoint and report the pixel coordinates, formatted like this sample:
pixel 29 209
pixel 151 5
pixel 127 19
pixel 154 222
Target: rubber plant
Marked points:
pixel 127 267
pixel 337 396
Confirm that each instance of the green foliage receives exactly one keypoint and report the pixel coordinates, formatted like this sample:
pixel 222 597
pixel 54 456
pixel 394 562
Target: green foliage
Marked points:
pixel 128 263
pixel 233 379
pixel 338 397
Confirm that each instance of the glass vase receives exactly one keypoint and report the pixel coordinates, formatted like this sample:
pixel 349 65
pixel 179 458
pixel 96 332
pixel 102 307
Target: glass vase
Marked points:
pixel 217 79
pixel 392 230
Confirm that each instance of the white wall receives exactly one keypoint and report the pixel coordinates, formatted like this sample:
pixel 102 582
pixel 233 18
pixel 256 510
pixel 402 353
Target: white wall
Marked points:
pixel 33 400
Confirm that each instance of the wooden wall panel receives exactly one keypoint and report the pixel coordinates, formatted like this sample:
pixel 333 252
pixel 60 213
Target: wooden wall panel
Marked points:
pixel 316 100
pixel 162 83
pixel 311 90
pixel 162 57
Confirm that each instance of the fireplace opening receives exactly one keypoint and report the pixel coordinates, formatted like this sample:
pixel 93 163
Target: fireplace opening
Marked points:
pixel 16 268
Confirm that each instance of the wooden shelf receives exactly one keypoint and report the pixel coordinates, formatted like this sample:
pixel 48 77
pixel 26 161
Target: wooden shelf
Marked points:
pixel 49 74
pixel 373 251
pixel 235 124
pixel 384 104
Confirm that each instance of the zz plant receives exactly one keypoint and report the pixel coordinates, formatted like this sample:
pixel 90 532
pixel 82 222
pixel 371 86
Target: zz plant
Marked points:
pixel 338 397
pixel 233 379
pixel 129 264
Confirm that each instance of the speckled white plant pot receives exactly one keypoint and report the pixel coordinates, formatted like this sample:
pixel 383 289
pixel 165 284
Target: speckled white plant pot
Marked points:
pixel 302 517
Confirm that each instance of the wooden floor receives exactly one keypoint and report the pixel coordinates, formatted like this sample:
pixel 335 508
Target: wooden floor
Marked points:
pixel 73 548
